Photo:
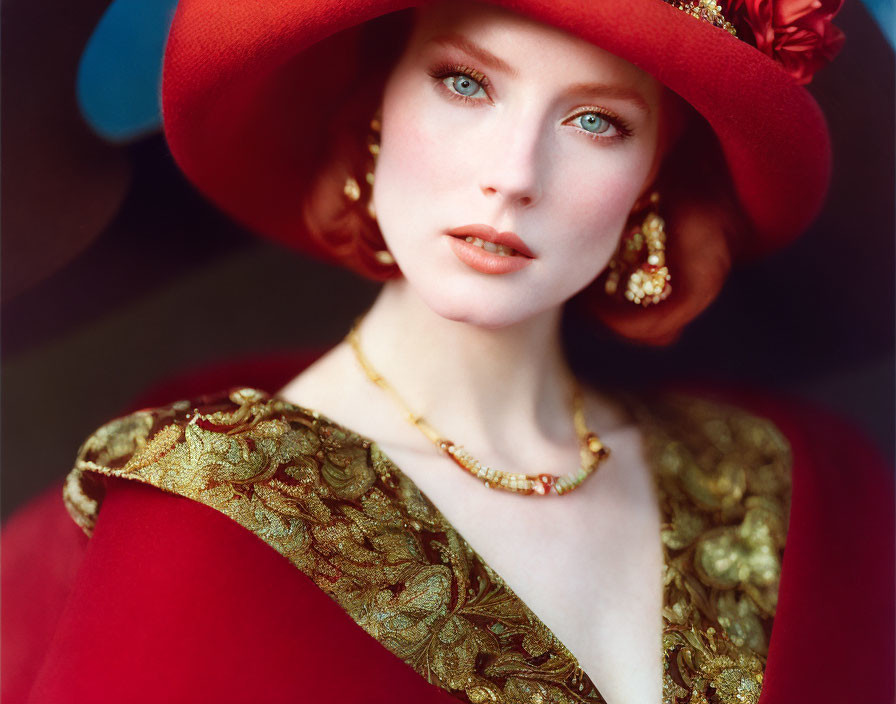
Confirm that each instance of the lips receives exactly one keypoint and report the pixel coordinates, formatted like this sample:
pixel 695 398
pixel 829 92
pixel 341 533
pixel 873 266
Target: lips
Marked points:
pixel 490 234
pixel 505 253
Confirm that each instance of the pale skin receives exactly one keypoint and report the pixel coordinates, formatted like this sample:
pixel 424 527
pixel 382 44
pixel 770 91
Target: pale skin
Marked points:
pixel 479 355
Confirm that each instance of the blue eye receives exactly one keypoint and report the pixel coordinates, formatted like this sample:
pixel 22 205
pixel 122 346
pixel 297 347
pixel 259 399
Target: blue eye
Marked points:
pixel 593 122
pixel 464 85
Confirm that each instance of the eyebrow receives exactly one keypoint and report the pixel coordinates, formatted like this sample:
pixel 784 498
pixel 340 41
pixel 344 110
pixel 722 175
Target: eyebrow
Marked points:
pixel 488 59
pixel 480 54
pixel 607 90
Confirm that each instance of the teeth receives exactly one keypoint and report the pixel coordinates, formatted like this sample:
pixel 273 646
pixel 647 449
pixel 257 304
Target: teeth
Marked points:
pixel 499 249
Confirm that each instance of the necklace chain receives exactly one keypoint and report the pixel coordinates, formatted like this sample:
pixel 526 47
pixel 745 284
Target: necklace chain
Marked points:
pixel 593 451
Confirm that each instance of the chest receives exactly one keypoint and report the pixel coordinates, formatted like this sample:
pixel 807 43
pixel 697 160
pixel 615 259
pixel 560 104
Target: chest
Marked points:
pixel 587 564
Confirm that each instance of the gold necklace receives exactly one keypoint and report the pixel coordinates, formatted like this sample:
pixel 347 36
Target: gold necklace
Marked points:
pixel 593 451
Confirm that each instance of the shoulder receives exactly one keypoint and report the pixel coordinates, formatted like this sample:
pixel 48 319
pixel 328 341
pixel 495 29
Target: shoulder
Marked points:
pixel 726 445
pixel 841 516
pixel 810 433
pixel 227 450
pixel 718 451
pixel 746 478
pixel 174 602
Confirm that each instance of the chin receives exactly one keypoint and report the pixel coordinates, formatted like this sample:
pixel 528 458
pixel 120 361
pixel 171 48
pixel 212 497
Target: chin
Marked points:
pixel 472 305
pixel 485 320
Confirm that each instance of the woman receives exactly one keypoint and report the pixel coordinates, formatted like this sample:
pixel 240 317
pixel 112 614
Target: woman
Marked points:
pixel 491 167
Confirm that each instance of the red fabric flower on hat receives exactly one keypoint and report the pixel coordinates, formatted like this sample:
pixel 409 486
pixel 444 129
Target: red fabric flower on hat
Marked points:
pixel 796 33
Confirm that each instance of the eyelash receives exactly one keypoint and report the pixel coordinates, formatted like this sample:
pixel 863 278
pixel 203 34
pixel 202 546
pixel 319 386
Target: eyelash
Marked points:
pixel 443 71
pixel 621 126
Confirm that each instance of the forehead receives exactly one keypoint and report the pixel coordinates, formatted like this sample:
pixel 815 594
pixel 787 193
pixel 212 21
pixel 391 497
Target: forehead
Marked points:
pixel 522 41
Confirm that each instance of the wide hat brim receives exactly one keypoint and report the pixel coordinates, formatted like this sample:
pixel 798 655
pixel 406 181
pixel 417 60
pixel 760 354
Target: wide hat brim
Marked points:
pixel 247 130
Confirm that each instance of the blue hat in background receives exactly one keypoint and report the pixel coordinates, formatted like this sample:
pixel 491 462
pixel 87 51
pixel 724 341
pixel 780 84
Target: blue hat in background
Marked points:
pixel 120 71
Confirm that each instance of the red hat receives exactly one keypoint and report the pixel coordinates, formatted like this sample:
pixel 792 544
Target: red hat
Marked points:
pixel 247 135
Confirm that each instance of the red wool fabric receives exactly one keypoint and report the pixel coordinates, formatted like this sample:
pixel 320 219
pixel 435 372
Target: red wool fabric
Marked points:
pixel 248 134
pixel 175 602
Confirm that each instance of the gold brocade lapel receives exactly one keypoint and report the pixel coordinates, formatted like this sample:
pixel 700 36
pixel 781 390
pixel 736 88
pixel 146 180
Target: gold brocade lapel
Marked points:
pixel 337 508
pixel 724 484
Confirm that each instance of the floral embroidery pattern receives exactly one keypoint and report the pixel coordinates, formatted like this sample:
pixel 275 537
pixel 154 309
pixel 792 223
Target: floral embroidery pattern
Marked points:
pixel 337 508
pixel 724 482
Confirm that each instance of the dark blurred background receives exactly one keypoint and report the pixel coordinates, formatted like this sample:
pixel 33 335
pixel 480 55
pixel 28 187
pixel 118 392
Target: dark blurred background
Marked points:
pixel 116 275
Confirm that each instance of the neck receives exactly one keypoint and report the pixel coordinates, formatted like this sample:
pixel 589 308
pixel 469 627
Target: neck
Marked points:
pixel 468 382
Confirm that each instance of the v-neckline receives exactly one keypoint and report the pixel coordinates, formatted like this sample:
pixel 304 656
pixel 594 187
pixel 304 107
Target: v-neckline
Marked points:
pixel 664 437
pixel 326 420
pixel 723 479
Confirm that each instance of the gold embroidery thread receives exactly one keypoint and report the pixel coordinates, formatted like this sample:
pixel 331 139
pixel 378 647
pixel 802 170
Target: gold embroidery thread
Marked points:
pixel 332 503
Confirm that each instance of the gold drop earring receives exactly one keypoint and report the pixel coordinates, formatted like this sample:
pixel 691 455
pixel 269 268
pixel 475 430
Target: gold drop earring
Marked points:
pixel 352 188
pixel 648 278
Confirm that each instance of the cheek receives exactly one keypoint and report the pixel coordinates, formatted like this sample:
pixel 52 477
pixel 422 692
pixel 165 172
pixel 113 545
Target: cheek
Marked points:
pixel 415 155
pixel 595 198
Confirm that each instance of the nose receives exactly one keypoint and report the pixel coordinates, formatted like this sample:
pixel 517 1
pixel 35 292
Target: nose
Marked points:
pixel 511 170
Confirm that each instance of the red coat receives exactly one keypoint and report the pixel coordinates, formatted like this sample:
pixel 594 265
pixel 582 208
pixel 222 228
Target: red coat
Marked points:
pixel 173 601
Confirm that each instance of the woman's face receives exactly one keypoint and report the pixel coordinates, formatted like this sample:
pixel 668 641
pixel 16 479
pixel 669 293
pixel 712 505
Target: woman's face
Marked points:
pixel 492 119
